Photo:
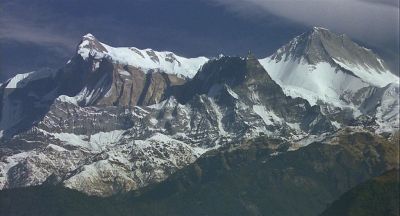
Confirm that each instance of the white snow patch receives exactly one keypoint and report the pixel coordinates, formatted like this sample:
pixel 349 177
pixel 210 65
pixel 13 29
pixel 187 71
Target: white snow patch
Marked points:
pixel 153 121
pixel 219 117
pixel 67 99
pixel 124 72
pixel 94 142
pixel 269 117
pixel 56 147
pixel 232 93
pixel 336 124
pixel 307 141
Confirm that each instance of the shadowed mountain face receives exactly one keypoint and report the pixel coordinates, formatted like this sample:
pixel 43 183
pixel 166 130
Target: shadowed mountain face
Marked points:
pixel 378 196
pixel 244 80
pixel 235 72
pixel 250 182
pixel 246 181
pixel 24 56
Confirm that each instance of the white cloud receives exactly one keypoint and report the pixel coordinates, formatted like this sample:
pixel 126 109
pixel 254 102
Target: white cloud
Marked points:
pixel 20 30
pixel 373 21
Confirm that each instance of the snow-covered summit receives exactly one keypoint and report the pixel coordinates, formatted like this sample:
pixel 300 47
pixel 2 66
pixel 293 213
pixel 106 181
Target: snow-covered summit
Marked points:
pixel 327 68
pixel 319 45
pixel 146 59
pixel 321 65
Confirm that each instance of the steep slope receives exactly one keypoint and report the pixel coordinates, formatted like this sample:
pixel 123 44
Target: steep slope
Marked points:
pixel 245 181
pixel 377 196
pixel 330 69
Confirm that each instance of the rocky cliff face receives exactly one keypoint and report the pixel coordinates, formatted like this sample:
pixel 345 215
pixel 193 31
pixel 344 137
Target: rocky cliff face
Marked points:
pixel 123 77
pixel 127 86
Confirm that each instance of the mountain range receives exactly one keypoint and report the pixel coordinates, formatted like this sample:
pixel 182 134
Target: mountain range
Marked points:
pixel 317 115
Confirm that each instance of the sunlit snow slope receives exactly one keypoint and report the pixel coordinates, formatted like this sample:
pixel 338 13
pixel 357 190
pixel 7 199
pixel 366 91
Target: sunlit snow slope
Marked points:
pixel 146 59
pixel 326 68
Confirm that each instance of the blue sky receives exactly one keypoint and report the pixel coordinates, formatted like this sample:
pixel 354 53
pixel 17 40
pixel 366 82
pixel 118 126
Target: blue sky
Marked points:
pixel 42 33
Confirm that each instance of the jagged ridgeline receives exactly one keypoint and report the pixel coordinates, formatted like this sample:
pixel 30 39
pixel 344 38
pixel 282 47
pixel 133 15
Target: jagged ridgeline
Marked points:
pixel 114 120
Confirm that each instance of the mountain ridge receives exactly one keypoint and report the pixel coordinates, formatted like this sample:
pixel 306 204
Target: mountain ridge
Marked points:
pixel 245 181
pixel 146 59
pixel 104 125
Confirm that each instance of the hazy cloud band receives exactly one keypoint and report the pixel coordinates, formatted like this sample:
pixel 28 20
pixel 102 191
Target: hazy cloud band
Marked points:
pixel 373 21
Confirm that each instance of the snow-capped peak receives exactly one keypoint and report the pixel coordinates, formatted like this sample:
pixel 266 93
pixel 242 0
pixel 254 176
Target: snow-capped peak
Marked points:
pixel 90 46
pixel 322 66
pixel 146 59
pixel 89 36
pixel 322 46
